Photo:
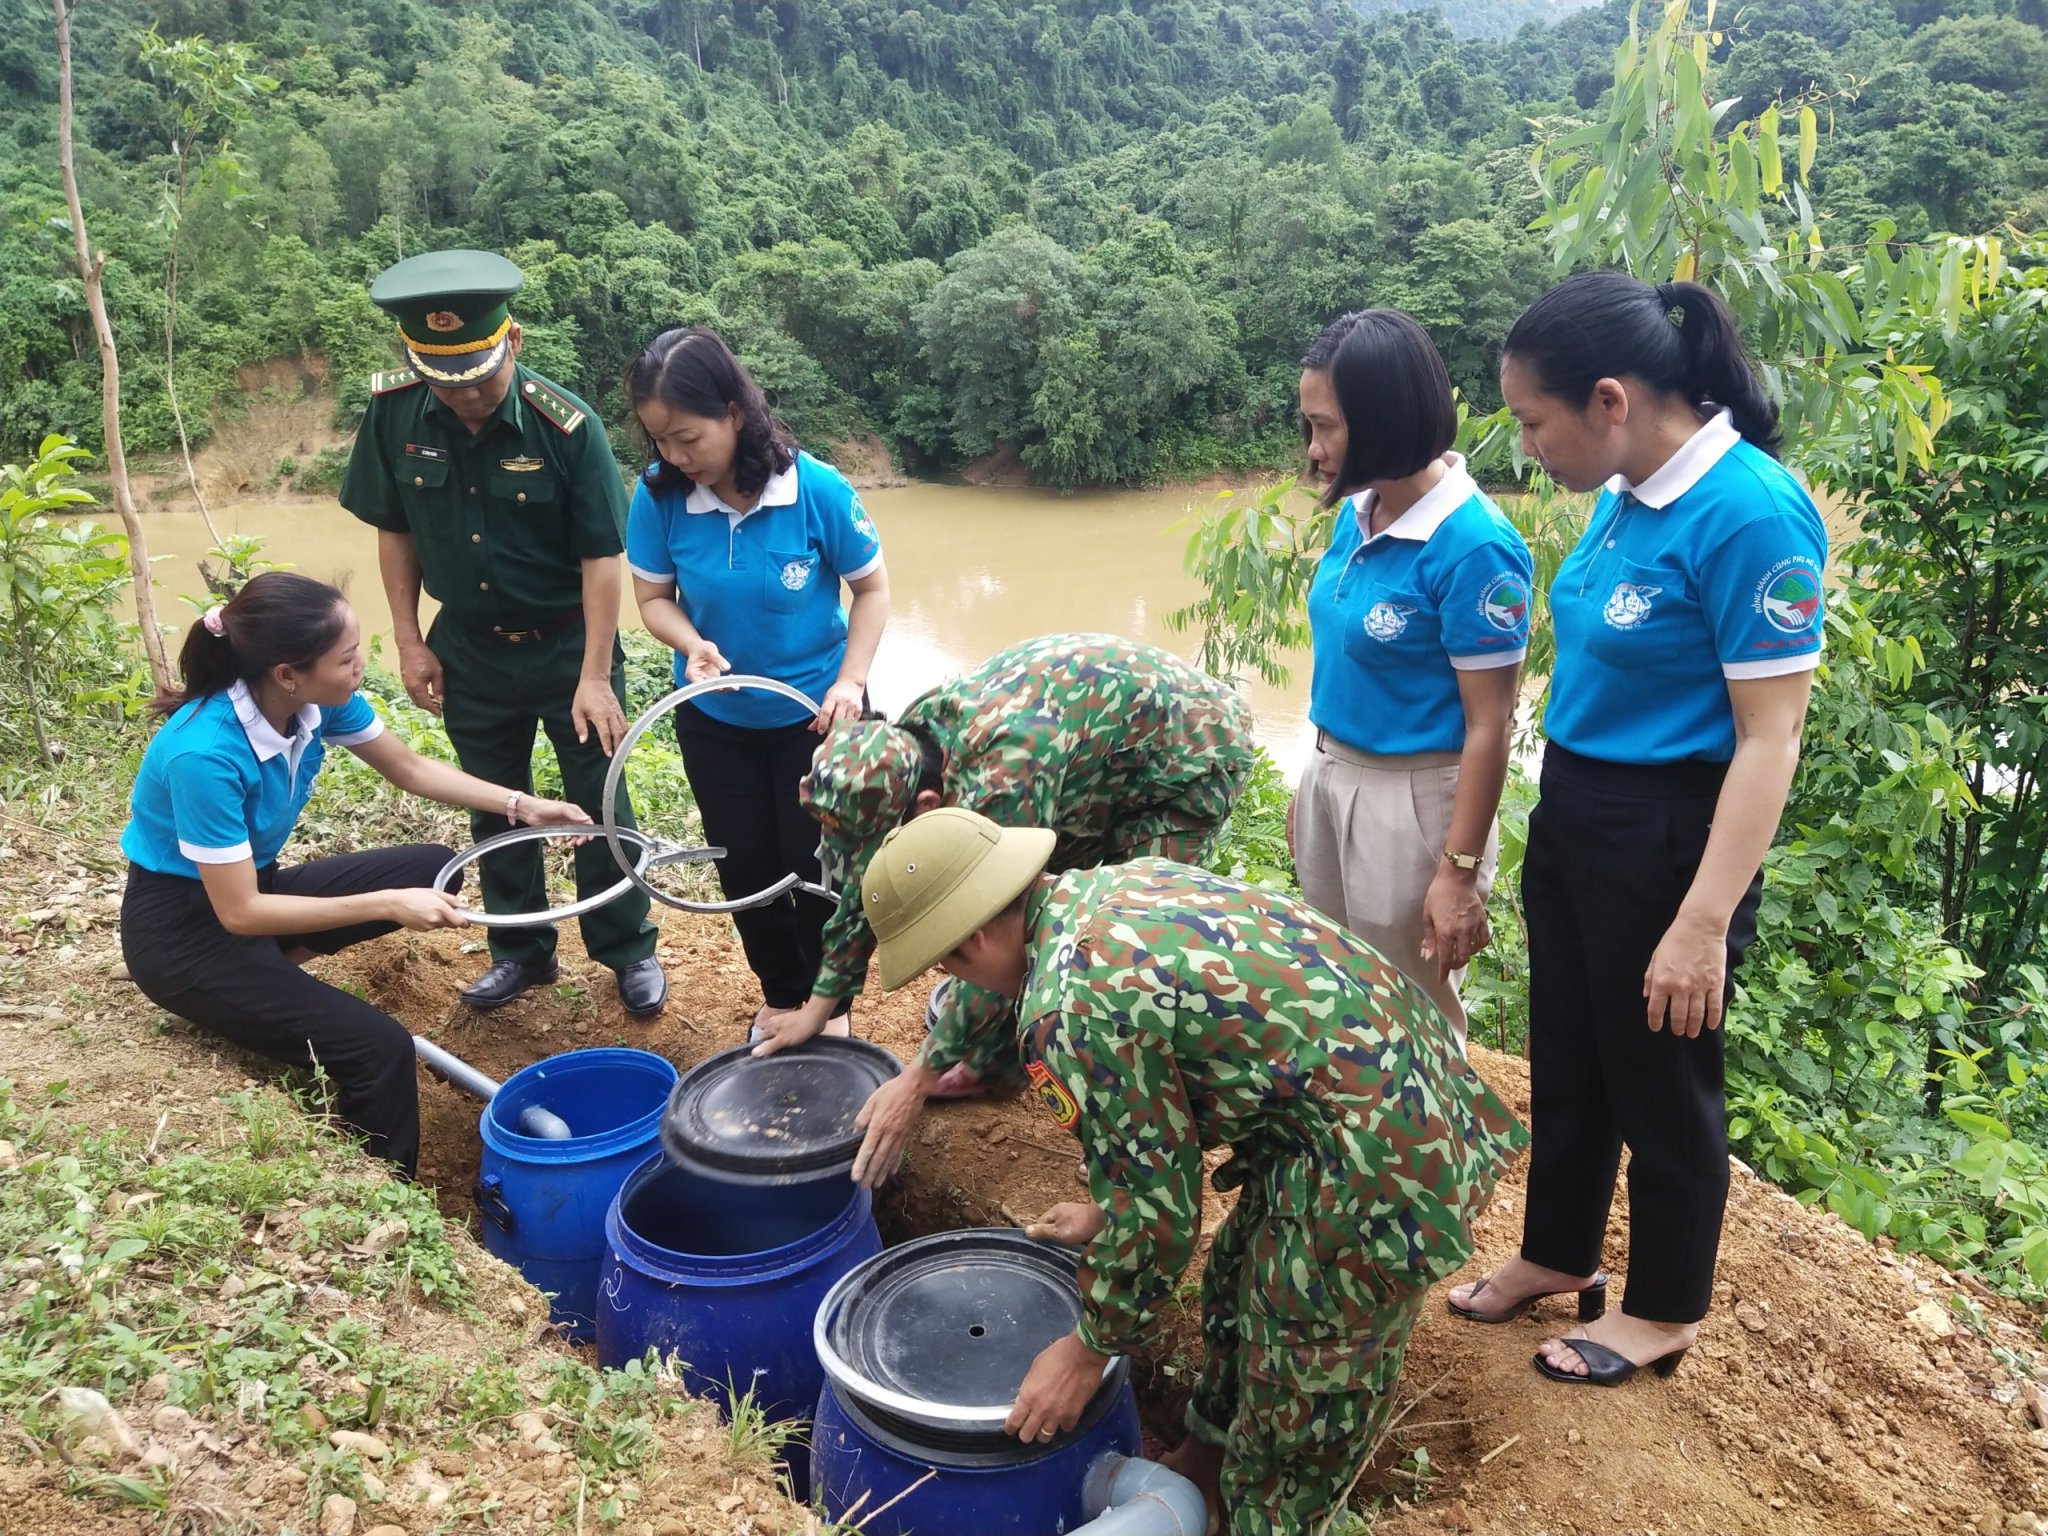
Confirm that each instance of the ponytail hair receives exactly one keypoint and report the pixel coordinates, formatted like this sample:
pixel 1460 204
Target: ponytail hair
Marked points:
pixel 279 618
pixel 1675 337
pixel 691 369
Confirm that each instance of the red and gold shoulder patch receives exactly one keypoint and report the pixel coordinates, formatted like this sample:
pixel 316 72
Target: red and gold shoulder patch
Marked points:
pixel 1054 1095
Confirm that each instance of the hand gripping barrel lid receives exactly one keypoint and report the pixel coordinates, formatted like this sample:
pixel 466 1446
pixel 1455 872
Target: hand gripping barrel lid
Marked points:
pixel 781 1119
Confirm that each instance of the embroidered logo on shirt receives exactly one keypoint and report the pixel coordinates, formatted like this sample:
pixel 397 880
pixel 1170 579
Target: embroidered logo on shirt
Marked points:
pixel 1628 604
pixel 1505 602
pixel 796 574
pixel 862 523
pixel 1054 1095
pixel 1789 596
pixel 1386 621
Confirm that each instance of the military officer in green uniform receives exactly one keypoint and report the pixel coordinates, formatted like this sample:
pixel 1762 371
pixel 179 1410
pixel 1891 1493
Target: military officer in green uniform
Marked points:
pixel 1163 1012
pixel 496 491
pixel 1121 749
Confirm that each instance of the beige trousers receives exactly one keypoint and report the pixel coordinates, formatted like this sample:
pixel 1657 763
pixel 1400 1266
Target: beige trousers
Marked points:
pixel 1369 834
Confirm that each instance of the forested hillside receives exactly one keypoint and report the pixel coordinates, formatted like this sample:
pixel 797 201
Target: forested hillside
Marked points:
pixel 1101 233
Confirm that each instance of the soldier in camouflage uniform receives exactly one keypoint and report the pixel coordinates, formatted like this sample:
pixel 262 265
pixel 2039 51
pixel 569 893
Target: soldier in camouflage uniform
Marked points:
pixel 1163 1011
pixel 1122 749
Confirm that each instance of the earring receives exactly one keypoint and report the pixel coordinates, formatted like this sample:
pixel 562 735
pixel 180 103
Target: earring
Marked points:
pixel 292 689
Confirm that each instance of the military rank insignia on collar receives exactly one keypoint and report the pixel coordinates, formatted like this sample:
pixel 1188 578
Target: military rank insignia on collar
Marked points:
pixel 522 465
pixel 1054 1095
pixel 422 451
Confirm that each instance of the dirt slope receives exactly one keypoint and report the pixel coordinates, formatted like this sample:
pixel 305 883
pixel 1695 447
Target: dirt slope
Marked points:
pixel 1815 1402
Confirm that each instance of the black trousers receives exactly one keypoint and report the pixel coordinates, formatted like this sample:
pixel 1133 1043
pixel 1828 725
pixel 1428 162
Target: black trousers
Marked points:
pixel 242 987
pixel 745 781
pixel 1612 851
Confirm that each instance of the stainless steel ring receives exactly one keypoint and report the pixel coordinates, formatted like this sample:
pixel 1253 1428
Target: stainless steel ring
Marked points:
pixel 652 851
pixel 615 835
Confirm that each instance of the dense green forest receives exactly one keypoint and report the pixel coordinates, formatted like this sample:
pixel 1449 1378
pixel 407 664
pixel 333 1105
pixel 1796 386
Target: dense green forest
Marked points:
pixel 1100 233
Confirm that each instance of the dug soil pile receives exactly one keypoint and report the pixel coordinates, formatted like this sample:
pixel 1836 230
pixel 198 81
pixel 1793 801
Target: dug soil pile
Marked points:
pixel 1835 1389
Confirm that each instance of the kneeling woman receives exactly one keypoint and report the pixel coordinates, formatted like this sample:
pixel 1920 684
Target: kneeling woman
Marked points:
pixel 212 929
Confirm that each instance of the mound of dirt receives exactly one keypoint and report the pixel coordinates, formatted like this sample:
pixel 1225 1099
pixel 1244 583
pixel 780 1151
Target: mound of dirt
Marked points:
pixel 1834 1389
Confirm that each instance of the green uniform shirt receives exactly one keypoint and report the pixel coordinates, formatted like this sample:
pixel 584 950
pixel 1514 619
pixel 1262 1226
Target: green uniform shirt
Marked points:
pixel 502 519
pixel 1167 1011
pixel 1122 749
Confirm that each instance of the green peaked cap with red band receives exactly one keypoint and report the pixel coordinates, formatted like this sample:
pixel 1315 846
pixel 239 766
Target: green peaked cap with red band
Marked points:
pixel 452 314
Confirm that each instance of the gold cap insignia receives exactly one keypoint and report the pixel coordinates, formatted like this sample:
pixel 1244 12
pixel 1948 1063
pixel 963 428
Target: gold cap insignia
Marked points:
pixel 444 320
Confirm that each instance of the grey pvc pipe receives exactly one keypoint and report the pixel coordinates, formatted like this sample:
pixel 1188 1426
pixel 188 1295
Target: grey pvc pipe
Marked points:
pixel 459 1072
pixel 1128 1496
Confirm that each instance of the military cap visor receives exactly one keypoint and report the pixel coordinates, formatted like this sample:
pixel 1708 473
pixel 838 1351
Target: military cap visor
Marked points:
pixel 452 314
pixel 939 878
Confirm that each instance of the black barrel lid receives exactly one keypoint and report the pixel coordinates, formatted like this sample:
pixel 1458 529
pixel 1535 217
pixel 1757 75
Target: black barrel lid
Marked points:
pixel 775 1119
pixel 954 1319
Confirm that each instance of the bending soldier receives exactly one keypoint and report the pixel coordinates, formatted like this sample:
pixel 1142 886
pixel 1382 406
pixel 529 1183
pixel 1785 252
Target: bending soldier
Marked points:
pixel 1121 749
pixel 1162 1011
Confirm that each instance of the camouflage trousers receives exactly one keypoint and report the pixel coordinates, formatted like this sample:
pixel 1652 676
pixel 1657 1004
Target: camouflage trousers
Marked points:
pixel 1303 1350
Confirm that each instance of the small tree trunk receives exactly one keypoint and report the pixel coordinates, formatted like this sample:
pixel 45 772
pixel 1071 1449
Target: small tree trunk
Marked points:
pixel 89 268
pixel 171 349
pixel 28 688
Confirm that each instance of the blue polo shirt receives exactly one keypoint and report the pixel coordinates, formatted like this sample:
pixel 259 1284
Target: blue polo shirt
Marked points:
pixel 218 784
pixel 1442 589
pixel 1709 571
pixel 761 585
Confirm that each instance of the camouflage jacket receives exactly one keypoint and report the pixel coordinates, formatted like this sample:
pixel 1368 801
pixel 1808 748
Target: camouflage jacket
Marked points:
pixel 1122 749
pixel 1167 1011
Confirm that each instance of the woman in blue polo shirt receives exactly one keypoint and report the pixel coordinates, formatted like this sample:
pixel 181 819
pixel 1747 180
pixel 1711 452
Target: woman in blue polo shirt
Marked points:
pixel 1420 618
pixel 1688 625
pixel 213 929
pixel 738 542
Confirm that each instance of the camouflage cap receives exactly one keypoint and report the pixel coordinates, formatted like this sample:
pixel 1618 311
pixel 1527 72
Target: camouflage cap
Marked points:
pixel 863 780
pixel 939 878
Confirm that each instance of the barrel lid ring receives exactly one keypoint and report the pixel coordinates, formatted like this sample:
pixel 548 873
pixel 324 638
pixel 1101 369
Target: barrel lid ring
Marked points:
pixel 651 852
pixel 615 776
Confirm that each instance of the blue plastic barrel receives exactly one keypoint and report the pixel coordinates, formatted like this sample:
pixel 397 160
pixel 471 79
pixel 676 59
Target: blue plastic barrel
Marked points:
pixel 987 1485
pixel 727 1276
pixel 542 1202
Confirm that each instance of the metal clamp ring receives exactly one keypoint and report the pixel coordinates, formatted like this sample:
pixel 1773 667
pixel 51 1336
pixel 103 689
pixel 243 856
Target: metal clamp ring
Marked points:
pixel 653 851
pixel 618 836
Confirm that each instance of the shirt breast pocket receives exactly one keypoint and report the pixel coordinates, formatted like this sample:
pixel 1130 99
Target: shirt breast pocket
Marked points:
pixel 1647 614
pixel 1396 626
pixel 421 482
pixel 524 488
pixel 791 579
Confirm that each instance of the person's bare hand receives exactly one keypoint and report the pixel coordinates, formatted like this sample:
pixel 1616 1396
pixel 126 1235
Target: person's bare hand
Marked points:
pixel 420 670
pixel 418 907
pixel 704 661
pixel 1687 976
pixel 596 708
pixel 1072 1222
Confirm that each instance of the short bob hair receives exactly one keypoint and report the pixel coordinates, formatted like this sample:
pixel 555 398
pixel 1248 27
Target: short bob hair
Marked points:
pixel 691 369
pixel 1399 412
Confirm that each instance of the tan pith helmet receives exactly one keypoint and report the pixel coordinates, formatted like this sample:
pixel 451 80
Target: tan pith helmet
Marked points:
pixel 938 878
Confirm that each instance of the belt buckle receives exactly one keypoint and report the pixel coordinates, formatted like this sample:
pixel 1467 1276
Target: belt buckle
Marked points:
pixel 515 636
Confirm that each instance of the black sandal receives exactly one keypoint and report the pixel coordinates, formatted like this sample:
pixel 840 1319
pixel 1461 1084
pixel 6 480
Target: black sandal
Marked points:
pixel 1592 1303
pixel 1606 1367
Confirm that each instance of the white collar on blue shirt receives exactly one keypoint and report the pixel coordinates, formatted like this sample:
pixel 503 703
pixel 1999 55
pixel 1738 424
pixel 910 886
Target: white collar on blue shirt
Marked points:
pixel 780 491
pixel 1685 468
pixel 1427 515
pixel 264 739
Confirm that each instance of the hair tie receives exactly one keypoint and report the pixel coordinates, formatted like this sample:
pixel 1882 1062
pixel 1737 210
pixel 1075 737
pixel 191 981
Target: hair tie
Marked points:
pixel 212 620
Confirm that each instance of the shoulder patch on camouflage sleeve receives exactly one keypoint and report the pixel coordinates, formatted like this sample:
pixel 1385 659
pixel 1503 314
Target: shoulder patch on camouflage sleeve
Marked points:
pixel 552 404
pixel 382 383
pixel 1053 1094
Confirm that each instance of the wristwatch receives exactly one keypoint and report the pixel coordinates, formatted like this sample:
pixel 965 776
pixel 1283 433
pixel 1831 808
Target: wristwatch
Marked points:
pixel 1465 861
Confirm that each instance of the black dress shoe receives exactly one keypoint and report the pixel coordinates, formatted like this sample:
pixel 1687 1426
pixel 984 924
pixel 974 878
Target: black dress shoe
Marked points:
pixel 643 988
pixel 507 980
